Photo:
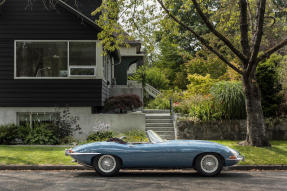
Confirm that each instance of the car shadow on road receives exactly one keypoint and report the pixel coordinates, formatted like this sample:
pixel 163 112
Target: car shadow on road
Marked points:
pixel 151 174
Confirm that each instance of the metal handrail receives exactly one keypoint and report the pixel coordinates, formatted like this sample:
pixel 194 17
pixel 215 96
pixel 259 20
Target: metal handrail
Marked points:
pixel 174 117
pixel 152 91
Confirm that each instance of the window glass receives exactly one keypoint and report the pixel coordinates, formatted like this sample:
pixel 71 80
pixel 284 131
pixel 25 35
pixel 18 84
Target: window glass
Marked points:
pixel 83 53
pixel 82 72
pixel 41 59
pixel 34 118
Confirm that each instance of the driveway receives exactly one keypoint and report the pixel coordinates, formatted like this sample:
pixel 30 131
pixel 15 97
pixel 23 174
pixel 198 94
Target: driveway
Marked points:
pixel 141 181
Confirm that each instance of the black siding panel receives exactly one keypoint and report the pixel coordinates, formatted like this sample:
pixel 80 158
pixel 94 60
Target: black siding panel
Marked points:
pixel 16 23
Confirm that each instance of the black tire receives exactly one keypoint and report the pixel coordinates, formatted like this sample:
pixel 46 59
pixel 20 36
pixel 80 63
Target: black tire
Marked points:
pixel 213 168
pixel 107 169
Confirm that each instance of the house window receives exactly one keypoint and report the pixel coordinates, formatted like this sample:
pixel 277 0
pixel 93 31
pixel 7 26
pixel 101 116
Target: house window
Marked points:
pixel 31 119
pixel 41 59
pixel 55 59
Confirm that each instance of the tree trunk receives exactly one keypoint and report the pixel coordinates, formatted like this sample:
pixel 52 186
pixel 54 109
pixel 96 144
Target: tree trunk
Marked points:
pixel 256 133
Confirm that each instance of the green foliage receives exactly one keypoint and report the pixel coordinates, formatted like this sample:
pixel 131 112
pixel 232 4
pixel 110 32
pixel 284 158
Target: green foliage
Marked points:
pixel 170 62
pixel 65 125
pixel 197 106
pixel 41 135
pixel 8 134
pixel 67 140
pixel 135 136
pixel 229 100
pixel 153 76
pixel 162 101
pixel 200 84
pixel 100 136
pixel 270 86
pixel 206 64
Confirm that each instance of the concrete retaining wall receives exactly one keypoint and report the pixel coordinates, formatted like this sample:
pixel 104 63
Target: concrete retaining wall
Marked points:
pixel 229 130
pixel 88 121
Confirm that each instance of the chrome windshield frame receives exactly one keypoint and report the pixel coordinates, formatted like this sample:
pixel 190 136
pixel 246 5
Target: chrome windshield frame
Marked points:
pixel 153 137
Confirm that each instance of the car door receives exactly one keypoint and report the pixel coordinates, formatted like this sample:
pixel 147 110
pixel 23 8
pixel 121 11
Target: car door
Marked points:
pixel 157 155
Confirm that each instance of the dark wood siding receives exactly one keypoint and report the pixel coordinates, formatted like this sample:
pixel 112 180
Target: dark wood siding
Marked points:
pixel 16 23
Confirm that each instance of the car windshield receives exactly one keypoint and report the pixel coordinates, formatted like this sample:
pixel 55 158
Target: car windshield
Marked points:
pixel 153 137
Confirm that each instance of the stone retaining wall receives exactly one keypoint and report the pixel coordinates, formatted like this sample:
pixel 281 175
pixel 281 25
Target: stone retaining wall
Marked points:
pixel 228 130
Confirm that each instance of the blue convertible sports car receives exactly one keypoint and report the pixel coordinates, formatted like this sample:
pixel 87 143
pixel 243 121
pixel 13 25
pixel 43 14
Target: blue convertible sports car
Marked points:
pixel 107 158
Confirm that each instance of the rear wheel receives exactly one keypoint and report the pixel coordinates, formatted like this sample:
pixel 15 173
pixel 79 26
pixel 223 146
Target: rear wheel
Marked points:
pixel 107 165
pixel 208 164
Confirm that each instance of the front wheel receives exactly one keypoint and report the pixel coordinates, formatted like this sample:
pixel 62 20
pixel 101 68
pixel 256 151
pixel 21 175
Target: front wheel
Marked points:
pixel 208 164
pixel 107 165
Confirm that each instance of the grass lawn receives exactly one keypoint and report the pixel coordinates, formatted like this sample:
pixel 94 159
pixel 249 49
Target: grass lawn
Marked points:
pixel 45 155
pixel 277 154
pixel 33 155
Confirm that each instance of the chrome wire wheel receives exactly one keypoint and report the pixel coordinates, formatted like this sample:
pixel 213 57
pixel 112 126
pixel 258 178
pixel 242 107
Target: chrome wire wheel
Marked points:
pixel 107 163
pixel 209 164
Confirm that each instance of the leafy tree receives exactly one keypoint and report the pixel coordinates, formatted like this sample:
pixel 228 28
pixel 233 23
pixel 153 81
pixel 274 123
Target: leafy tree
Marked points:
pixel 270 86
pixel 249 29
pixel 200 84
pixel 171 62
pixel 153 76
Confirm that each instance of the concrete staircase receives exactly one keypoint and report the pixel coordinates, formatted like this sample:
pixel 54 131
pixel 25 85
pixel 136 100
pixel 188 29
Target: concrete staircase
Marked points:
pixel 160 121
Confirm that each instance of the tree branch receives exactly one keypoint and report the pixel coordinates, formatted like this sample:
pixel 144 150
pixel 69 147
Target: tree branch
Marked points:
pixel 251 18
pixel 244 28
pixel 258 35
pixel 269 52
pixel 218 34
pixel 202 40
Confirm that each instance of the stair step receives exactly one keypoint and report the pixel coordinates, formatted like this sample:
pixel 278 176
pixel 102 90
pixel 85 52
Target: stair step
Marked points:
pixel 159 124
pixel 158 117
pixel 156 111
pixel 159 121
pixel 160 128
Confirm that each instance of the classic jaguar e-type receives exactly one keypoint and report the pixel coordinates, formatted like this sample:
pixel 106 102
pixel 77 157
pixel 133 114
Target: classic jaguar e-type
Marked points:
pixel 107 158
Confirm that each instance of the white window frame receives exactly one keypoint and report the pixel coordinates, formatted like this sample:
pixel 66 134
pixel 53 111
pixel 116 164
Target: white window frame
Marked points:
pixel 98 54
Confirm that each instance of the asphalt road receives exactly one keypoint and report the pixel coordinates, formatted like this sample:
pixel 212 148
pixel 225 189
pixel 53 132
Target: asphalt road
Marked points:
pixel 141 181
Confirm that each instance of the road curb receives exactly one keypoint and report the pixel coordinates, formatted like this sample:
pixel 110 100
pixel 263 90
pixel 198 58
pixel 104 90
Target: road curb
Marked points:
pixel 43 167
pixel 258 167
pixel 78 167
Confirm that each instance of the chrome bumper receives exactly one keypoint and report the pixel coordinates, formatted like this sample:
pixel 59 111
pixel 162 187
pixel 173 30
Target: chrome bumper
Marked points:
pixel 240 158
pixel 67 152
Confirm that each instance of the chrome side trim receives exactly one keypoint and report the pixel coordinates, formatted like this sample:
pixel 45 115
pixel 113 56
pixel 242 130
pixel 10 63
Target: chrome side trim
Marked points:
pixel 67 153
pixel 84 153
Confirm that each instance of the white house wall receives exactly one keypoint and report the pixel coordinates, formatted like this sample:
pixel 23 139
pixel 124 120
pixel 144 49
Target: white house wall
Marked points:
pixel 87 121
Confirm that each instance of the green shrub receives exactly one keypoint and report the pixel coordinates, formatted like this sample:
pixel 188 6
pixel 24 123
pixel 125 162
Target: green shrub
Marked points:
pixel 22 133
pixel 271 89
pixel 67 140
pixel 65 125
pixel 100 136
pixel 135 136
pixel 151 75
pixel 229 100
pixel 41 135
pixel 8 134
pixel 197 106
pixel 162 101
